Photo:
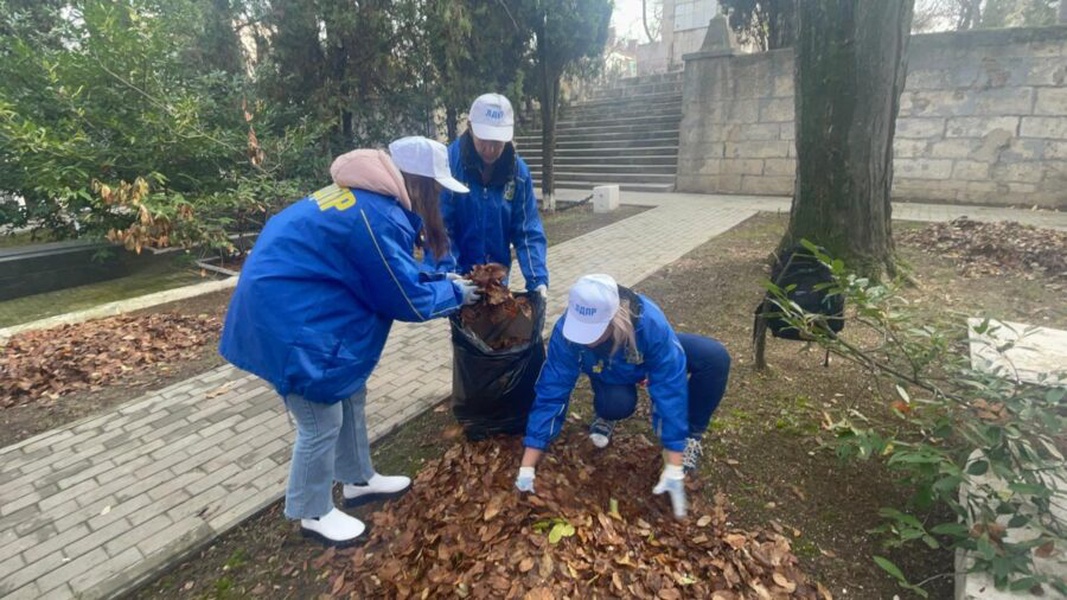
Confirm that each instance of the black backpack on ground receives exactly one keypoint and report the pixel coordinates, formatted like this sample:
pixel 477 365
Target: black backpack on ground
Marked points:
pixel 805 280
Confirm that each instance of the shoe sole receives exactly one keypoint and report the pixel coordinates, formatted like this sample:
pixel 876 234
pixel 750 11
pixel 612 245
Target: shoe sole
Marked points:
pixel 369 498
pixel 600 441
pixel 318 537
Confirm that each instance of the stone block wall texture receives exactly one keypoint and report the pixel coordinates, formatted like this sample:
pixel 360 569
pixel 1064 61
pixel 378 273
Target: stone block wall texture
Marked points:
pixel 983 120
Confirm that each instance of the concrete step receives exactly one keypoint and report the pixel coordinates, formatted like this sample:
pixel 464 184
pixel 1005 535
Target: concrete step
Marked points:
pixel 591 145
pixel 651 102
pixel 640 90
pixel 605 178
pixel 638 111
pixel 631 135
pixel 658 188
pixel 605 119
pixel 621 150
pixel 639 128
pixel 608 162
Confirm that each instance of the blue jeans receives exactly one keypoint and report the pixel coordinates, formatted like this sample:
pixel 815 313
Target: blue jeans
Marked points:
pixel 708 364
pixel 331 445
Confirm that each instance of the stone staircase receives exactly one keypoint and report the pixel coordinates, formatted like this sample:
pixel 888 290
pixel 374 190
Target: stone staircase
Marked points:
pixel 625 134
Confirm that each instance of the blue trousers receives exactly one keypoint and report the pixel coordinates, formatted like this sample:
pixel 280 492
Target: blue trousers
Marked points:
pixel 708 364
pixel 331 445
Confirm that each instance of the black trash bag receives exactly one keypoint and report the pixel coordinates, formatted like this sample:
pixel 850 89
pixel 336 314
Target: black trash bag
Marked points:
pixel 492 390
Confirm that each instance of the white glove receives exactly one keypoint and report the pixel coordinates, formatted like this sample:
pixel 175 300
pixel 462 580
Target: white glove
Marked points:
pixel 672 481
pixel 525 481
pixel 468 290
pixel 453 276
pixel 543 290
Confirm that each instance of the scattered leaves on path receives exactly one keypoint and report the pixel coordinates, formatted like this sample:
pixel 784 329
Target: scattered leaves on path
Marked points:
pixel 463 531
pixel 48 363
pixel 1004 247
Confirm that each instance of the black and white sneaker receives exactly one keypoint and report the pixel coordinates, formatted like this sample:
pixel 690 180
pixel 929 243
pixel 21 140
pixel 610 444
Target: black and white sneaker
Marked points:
pixel 691 455
pixel 600 432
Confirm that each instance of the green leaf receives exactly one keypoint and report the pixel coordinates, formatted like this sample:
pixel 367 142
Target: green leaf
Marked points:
pixel 986 549
pixel 1024 583
pixel 559 531
pixel 888 566
pixel 978 467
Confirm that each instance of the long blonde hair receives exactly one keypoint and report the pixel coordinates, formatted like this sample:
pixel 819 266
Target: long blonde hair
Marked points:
pixel 622 328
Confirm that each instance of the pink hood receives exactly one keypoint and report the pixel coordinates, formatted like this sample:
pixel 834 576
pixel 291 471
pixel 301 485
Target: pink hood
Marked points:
pixel 370 170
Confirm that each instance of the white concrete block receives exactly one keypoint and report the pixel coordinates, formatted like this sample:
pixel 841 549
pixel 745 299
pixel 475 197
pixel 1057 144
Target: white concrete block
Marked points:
pixel 1036 355
pixel 605 198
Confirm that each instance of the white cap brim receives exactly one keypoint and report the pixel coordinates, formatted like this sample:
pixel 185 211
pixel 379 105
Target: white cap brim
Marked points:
pixel 453 184
pixel 493 133
pixel 583 333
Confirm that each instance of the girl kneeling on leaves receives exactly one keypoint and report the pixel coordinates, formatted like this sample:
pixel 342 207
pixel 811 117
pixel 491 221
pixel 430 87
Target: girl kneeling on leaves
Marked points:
pixel 619 338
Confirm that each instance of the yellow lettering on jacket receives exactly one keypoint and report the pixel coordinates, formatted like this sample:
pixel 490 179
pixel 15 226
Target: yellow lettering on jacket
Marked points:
pixel 334 196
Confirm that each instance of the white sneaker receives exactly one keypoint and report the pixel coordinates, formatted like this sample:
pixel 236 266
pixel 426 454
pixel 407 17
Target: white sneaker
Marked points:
pixel 335 528
pixel 379 487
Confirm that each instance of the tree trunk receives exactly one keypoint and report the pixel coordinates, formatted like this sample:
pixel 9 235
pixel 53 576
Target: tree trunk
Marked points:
pixel 781 24
pixel 451 122
pixel 549 104
pixel 851 63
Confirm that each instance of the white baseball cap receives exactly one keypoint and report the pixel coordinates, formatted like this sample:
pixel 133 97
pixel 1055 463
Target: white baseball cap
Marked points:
pixel 593 302
pixel 492 118
pixel 422 156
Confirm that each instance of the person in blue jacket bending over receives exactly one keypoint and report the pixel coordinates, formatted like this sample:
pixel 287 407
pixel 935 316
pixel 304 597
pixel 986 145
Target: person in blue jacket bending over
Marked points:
pixel 619 339
pixel 316 298
pixel 500 211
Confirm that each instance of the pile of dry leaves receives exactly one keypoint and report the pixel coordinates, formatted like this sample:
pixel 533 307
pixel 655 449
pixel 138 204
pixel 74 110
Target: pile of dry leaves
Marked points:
pixel 994 248
pixel 492 317
pixel 53 362
pixel 592 529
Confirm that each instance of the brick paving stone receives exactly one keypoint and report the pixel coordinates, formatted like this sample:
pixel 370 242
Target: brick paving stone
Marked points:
pixel 96 539
pixel 55 543
pixel 72 568
pixel 82 514
pixel 139 532
pixel 10 564
pixel 118 510
pixel 115 565
pixel 29 591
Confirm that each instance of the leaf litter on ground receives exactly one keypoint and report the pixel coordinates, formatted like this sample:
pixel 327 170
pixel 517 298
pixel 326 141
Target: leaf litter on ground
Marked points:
pixel 463 531
pixel 1003 247
pixel 42 365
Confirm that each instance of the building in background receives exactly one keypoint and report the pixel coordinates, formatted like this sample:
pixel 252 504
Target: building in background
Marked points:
pixel 682 29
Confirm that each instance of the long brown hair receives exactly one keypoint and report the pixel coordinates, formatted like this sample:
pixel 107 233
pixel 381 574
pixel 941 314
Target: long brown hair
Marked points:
pixel 425 193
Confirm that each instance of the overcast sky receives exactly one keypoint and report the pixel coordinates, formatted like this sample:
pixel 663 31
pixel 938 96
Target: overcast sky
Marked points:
pixel 627 19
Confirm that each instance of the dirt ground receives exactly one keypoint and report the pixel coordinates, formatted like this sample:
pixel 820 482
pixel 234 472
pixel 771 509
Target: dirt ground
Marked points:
pixel 765 453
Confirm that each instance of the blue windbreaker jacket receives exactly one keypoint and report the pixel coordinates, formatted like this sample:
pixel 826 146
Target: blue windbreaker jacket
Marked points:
pixel 659 358
pixel 321 288
pixel 484 224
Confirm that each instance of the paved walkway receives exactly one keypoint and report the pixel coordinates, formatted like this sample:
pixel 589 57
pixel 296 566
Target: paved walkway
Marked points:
pixel 93 508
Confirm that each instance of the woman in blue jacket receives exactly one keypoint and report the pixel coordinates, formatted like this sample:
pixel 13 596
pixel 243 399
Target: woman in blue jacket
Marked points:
pixel 500 210
pixel 316 298
pixel 618 339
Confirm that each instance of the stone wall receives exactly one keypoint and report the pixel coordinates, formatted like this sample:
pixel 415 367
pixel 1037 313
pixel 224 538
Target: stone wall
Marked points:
pixel 983 120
